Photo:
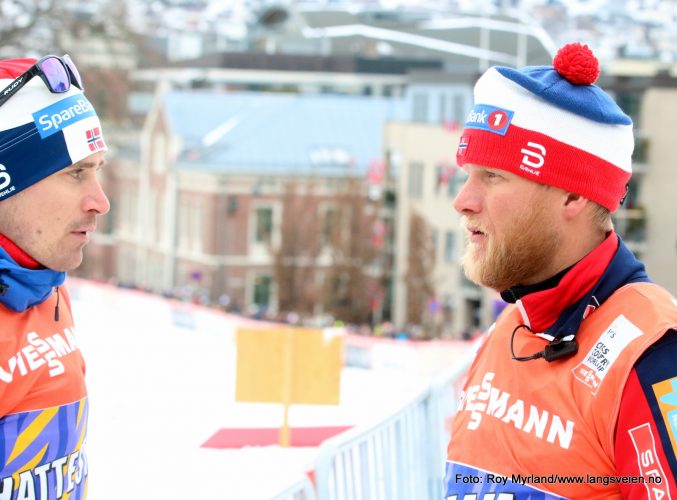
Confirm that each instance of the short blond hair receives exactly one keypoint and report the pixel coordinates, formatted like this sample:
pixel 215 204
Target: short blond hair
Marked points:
pixel 601 217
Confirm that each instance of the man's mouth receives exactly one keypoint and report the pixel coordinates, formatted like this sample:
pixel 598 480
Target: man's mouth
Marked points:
pixel 475 234
pixel 476 231
pixel 84 232
pixel 89 228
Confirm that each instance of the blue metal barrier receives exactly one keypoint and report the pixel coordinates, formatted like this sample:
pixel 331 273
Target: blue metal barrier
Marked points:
pixel 401 457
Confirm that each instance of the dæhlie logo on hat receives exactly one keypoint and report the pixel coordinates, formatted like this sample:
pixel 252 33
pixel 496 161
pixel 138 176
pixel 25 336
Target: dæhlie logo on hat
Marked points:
pixel 5 178
pixel 5 182
pixel 533 159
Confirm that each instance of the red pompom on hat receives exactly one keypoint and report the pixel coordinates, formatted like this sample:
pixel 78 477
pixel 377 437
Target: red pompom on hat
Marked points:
pixel 551 125
pixel 577 64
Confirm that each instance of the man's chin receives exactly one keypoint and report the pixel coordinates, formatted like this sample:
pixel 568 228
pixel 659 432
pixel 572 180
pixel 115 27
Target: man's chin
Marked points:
pixel 472 271
pixel 475 271
pixel 69 265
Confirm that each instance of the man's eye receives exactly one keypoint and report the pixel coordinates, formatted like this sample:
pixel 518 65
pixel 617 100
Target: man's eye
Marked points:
pixel 76 174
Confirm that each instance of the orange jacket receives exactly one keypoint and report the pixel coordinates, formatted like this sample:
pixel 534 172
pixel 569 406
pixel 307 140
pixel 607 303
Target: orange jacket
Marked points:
pixel 43 404
pixel 548 429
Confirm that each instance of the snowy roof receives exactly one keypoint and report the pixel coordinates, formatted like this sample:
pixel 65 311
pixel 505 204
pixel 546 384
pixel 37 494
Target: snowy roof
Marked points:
pixel 248 132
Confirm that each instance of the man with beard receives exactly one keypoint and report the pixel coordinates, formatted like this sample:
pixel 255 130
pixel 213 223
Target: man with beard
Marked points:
pixel 573 392
pixel 51 148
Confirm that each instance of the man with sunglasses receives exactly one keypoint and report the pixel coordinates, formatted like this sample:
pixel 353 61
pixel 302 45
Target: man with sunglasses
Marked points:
pixel 51 148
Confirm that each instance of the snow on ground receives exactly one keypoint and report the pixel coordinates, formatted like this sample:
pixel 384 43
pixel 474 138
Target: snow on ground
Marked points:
pixel 158 391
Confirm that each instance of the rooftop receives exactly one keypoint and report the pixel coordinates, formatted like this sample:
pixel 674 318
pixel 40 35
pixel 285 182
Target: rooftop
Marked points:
pixel 275 134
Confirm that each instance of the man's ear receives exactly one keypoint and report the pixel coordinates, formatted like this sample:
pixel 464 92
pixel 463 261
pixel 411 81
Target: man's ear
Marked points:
pixel 573 204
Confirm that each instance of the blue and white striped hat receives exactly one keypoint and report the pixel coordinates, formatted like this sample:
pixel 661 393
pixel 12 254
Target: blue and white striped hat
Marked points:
pixel 42 132
pixel 552 125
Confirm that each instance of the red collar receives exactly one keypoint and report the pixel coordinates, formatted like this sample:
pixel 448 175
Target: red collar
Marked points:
pixel 19 256
pixel 541 309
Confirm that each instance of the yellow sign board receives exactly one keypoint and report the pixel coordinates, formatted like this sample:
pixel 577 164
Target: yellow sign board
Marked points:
pixel 289 365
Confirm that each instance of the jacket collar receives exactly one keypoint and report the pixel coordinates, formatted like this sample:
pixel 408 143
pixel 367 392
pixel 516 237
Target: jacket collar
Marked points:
pixel 557 310
pixel 22 288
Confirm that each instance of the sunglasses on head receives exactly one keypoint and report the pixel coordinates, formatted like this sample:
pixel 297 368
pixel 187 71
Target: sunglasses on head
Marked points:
pixel 58 73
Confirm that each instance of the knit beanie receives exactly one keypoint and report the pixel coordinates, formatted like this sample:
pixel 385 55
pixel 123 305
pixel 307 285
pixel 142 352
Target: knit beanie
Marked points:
pixel 42 132
pixel 552 125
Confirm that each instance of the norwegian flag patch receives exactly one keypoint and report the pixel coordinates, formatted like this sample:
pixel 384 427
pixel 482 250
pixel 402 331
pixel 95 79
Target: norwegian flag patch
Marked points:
pixel 463 146
pixel 95 140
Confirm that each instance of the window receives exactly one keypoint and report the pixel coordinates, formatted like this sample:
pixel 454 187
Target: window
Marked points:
pixel 459 111
pixel 641 152
pixel 416 180
pixel 420 111
pixel 443 108
pixel 393 162
pixel 450 247
pixel 196 226
pixel 264 224
pixel 330 224
pixel 630 103
pixel 190 224
pixel 262 285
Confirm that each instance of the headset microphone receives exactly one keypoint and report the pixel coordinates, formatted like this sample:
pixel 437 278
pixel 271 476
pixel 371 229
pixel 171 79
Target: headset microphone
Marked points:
pixel 558 348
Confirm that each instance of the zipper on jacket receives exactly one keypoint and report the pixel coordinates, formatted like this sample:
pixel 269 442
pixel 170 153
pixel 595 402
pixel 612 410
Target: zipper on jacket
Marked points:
pixel 56 308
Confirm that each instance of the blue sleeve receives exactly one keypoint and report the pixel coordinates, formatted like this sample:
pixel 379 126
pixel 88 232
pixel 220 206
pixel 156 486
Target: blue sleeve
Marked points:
pixel 656 373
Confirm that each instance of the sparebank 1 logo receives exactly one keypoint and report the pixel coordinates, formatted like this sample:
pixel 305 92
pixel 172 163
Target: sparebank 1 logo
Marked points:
pixel 489 118
pixel 61 114
pixel 666 394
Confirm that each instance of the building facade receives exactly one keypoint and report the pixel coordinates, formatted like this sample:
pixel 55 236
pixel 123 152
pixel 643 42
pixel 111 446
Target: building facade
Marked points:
pixel 226 181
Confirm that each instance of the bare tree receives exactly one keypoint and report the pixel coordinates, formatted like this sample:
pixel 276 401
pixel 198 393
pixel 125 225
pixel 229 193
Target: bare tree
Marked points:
pixel 18 19
pixel 351 283
pixel 30 27
pixel 108 90
pixel 295 258
pixel 420 265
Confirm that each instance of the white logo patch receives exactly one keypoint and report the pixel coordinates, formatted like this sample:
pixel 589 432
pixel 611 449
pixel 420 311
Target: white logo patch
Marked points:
pixel 533 158
pixel 605 352
pixel 5 179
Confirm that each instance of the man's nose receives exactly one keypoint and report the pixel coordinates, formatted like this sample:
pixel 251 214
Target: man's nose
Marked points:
pixel 469 198
pixel 96 200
